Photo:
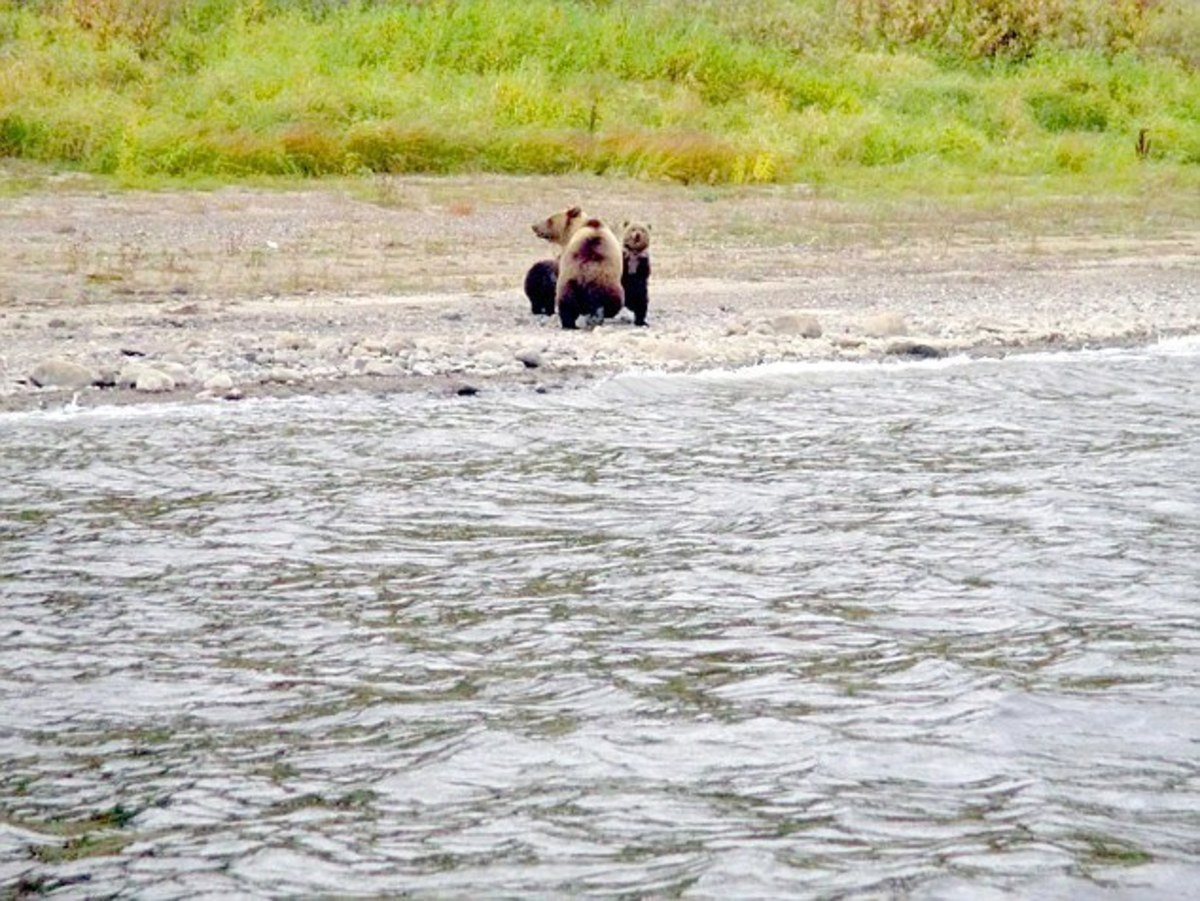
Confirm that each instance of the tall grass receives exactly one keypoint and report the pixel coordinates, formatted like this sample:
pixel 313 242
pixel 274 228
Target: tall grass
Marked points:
pixel 714 92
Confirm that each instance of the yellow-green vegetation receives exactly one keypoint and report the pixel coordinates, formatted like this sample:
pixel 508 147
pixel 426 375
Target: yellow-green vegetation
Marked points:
pixel 825 91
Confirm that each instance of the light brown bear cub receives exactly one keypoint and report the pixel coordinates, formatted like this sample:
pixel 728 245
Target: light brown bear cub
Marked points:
pixel 589 267
pixel 635 241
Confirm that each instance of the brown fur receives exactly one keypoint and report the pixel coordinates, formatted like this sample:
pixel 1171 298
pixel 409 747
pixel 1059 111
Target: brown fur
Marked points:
pixel 589 267
pixel 635 236
pixel 557 229
pixel 635 269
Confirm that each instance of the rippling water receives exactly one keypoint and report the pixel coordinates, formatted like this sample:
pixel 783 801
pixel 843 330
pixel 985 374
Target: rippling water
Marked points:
pixel 924 630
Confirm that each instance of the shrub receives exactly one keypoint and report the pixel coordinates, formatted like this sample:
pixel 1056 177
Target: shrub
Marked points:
pixel 1058 111
pixel 699 91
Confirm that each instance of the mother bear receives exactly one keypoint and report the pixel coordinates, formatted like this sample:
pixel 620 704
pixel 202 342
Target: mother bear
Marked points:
pixel 589 267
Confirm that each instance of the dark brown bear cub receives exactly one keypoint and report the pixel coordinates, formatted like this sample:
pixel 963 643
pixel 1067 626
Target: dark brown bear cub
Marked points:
pixel 635 270
pixel 540 283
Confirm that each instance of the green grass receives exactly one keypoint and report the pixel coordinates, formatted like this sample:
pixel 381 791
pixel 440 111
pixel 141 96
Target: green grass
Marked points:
pixel 835 92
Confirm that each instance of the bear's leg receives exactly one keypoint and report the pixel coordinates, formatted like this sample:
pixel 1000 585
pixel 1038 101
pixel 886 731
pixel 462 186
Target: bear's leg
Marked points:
pixel 639 316
pixel 604 302
pixel 569 306
pixel 637 306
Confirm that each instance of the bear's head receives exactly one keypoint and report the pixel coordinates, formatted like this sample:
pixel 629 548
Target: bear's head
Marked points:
pixel 559 227
pixel 635 236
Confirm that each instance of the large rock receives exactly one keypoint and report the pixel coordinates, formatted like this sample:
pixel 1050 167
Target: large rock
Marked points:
pixel 283 375
pixel 906 347
pixel 59 373
pixel 372 344
pixel 804 325
pixel 218 382
pixel 292 341
pixel 530 358
pixel 128 376
pixel 178 372
pixel 396 344
pixel 382 368
pixel 153 382
pixel 491 359
pixel 884 325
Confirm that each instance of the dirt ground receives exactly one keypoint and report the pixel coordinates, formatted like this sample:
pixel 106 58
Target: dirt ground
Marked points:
pixel 415 283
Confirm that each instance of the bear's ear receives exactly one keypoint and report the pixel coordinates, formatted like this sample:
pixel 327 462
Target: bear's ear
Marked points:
pixel 574 212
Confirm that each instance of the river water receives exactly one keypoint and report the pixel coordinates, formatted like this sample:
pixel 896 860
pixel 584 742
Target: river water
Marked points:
pixel 926 630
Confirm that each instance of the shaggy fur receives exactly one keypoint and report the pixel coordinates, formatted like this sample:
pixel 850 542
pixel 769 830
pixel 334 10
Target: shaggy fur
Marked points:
pixel 540 283
pixel 589 268
pixel 635 270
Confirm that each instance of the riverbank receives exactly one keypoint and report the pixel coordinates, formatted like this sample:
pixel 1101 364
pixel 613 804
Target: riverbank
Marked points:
pixel 415 284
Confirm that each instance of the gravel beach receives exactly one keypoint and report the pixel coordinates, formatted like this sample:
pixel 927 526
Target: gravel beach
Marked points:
pixel 415 284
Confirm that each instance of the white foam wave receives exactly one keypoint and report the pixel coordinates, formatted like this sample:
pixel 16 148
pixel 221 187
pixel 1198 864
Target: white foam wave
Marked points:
pixel 1187 345
pixel 1180 346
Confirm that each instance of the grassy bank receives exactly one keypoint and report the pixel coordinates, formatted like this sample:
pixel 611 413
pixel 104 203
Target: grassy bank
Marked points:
pixel 837 92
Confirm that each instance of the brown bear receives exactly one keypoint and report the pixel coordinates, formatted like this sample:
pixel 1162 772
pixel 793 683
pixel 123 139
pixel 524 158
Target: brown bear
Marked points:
pixel 635 271
pixel 589 267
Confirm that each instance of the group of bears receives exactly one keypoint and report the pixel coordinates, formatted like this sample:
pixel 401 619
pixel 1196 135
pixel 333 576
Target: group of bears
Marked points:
pixel 594 275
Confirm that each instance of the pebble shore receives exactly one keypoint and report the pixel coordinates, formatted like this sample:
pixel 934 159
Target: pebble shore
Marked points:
pixel 184 317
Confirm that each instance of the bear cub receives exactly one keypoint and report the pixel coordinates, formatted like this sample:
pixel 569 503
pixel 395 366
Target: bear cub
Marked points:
pixel 635 269
pixel 589 267
pixel 540 283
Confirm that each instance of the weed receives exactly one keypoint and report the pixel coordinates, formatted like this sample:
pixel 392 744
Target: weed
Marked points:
pixel 1142 147
pixel 80 847
pixel 1106 850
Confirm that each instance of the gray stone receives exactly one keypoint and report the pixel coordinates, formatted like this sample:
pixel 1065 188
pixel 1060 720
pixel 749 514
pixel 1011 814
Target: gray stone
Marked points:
pixel 178 373
pixel 381 368
pixel 908 348
pixel 801 324
pixel 373 345
pixel 218 382
pixel 884 325
pixel 292 341
pixel 530 358
pixel 491 359
pixel 128 375
pixel 396 344
pixel 106 377
pixel 153 381
pixel 59 373
pixel 282 374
